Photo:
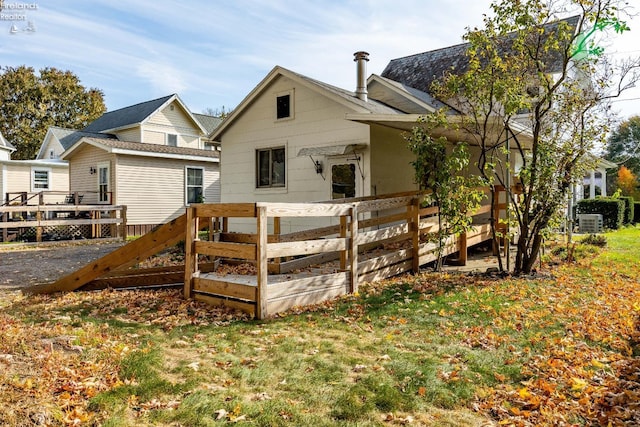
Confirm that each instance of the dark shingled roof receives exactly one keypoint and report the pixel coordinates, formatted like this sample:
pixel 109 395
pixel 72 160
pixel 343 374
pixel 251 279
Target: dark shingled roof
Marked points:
pixel 155 148
pixel 68 137
pixel 131 115
pixel 421 70
pixel 209 123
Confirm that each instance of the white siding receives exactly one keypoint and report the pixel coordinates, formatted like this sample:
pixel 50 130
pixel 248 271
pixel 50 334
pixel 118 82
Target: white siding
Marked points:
pixel 391 159
pixel 132 134
pixel 51 143
pixel 154 189
pixel 80 177
pixel 15 176
pixel 172 120
pixel 317 121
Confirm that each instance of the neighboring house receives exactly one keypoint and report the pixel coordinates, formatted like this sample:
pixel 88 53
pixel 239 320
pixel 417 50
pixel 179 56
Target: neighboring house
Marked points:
pixel 210 123
pixel 595 182
pixel 58 139
pixel 150 157
pixel 19 177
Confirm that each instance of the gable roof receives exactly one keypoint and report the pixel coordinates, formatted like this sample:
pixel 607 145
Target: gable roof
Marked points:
pixel 419 71
pixel 135 115
pixel 6 144
pixel 209 123
pixel 337 94
pixel 402 97
pixel 68 137
pixel 148 150
pixel 127 116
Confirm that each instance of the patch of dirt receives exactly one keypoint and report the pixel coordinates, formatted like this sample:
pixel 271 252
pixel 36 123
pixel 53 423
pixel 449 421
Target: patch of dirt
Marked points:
pixel 26 265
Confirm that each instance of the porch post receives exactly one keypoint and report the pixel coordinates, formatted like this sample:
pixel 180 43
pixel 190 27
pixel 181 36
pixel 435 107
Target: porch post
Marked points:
pixel 592 185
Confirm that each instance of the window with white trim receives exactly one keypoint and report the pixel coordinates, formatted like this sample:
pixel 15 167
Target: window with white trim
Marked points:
pixel 172 140
pixel 270 167
pixel 40 179
pixel 194 185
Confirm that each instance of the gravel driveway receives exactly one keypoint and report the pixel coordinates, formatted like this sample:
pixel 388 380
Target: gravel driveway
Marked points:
pixel 26 265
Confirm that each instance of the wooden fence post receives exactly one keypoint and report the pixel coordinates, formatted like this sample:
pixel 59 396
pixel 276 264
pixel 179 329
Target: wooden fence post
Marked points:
pixel 123 217
pixel 277 231
pixel 38 227
pixel 190 257
pixel 462 249
pixel 343 234
pixel 414 221
pixel 262 265
pixel 353 249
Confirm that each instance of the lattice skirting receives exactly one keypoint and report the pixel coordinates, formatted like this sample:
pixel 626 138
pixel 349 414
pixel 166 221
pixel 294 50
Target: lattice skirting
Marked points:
pixel 66 232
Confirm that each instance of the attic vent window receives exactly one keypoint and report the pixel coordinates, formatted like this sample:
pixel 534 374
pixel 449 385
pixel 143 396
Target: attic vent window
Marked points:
pixel 283 106
pixel 172 140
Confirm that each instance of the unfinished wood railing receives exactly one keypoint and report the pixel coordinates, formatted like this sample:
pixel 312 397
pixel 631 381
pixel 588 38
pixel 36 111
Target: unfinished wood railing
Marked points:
pixel 370 239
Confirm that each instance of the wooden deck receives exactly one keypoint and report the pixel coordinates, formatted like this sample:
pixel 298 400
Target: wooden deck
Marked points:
pixel 356 241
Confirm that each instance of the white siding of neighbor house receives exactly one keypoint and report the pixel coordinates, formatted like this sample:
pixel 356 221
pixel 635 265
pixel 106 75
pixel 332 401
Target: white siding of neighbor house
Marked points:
pixel 51 143
pixel 172 121
pixel 132 134
pixel 154 189
pixel 317 121
pixel 15 176
pixel 80 178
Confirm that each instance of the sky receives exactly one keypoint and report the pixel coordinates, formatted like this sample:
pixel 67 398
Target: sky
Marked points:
pixel 213 53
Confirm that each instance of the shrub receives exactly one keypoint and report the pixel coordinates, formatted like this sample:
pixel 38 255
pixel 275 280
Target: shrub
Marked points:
pixel 595 240
pixel 628 209
pixel 612 210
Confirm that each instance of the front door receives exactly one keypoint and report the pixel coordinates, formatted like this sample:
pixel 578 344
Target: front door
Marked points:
pixel 104 192
pixel 345 179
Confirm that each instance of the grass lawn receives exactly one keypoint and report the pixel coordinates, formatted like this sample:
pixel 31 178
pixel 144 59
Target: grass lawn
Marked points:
pixel 431 349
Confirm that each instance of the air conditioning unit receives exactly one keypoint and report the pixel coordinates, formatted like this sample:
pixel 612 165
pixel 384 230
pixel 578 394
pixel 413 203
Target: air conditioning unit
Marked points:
pixel 590 223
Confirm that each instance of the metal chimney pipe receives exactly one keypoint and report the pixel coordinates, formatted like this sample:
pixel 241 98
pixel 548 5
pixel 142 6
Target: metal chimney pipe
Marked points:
pixel 361 58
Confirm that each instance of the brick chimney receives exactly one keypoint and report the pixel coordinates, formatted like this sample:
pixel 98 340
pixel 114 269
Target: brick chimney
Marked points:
pixel 361 58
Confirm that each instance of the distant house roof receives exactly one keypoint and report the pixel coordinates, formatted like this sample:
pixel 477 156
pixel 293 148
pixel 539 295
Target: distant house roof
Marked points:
pixel 143 149
pixel 6 144
pixel 419 71
pixel 208 122
pixel 127 116
pixel 68 137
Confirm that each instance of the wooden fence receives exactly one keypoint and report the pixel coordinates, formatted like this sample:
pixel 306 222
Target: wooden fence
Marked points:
pixel 372 240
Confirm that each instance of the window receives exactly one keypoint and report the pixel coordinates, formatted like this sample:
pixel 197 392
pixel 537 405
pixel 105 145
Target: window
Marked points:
pixel 40 179
pixel 194 185
pixel 172 140
pixel 270 165
pixel 283 106
pixel 52 154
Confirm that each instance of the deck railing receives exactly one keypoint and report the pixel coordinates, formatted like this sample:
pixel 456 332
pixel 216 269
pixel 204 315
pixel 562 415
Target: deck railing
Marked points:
pixel 66 221
pixel 372 239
